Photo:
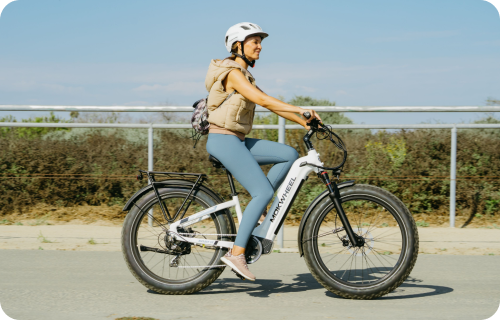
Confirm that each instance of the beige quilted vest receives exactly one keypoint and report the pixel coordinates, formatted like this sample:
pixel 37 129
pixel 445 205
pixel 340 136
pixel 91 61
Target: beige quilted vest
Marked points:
pixel 237 112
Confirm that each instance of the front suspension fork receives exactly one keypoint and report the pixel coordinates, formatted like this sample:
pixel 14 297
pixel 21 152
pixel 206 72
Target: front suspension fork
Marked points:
pixel 334 195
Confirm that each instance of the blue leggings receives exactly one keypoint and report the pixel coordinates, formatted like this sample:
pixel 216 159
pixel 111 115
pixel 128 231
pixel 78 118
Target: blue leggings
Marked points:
pixel 243 159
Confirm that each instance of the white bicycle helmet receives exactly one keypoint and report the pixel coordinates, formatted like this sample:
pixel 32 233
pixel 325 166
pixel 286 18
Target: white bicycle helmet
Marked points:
pixel 238 33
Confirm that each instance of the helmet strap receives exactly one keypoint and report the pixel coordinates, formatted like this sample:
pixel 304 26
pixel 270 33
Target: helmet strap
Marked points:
pixel 242 56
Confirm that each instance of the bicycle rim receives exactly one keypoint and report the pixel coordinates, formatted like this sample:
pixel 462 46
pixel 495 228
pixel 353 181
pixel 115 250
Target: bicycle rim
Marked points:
pixel 385 242
pixel 172 267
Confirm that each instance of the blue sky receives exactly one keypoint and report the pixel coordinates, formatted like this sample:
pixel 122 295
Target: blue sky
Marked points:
pixel 384 52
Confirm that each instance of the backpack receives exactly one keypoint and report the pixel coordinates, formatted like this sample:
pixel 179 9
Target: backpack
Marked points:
pixel 199 119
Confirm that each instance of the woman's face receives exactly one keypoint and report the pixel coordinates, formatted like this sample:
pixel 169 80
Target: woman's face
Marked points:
pixel 253 47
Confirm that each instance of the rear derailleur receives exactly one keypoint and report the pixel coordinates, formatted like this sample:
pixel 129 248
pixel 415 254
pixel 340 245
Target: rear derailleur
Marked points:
pixel 173 246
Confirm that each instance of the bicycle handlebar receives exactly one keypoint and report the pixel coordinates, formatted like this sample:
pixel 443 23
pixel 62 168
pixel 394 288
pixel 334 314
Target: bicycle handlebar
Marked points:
pixel 316 126
pixel 314 122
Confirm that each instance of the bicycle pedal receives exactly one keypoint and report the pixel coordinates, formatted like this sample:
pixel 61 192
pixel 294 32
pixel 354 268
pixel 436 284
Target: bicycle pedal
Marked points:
pixel 238 275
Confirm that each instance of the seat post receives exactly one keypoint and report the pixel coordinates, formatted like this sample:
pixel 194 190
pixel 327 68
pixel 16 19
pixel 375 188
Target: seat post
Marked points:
pixel 231 183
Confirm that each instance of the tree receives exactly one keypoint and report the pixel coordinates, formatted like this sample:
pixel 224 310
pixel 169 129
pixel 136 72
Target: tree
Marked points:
pixel 492 102
pixel 489 119
pixel 30 132
pixel 327 117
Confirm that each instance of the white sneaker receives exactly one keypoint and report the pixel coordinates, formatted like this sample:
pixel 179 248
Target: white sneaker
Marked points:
pixel 238 264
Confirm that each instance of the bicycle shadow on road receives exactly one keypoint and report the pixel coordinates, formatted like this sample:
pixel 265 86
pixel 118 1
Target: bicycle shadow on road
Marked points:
pixel 413 288
pixel 263 288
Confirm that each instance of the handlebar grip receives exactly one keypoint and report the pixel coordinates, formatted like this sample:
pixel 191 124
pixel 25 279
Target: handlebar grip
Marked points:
pixel 307 115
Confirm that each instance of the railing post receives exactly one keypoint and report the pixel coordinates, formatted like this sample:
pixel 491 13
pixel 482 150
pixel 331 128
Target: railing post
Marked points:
pixel 453 175
pixel 150 165
pixel 281 139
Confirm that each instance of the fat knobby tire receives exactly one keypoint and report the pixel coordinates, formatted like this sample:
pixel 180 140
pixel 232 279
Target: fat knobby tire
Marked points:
pixel 140 271
pixel 386 286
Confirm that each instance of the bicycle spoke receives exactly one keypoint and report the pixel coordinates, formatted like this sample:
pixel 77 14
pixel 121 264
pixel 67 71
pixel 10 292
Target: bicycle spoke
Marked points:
pixel 163 266
pixel 344 249
pixel 355 264
pixel 157 237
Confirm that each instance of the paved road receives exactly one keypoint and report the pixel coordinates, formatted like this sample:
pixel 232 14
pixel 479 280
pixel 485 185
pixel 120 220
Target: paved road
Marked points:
pixel 97 285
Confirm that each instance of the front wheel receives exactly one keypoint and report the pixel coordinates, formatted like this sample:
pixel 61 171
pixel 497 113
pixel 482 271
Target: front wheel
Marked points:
pixel 381 264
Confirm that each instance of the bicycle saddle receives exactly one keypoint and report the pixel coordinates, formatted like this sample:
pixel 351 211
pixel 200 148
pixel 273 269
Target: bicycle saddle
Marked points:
pixel 215 162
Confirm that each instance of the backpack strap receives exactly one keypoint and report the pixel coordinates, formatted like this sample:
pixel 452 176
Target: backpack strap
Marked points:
pixel 229 96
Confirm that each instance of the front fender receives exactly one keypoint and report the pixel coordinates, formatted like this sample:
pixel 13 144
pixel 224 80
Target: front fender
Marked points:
pixel 313 205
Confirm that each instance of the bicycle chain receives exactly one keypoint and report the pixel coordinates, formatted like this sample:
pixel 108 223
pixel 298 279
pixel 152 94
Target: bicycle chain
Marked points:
pixel 207 234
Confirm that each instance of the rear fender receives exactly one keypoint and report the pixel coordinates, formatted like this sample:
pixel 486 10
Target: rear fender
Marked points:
pixel 139 194
pixel 312 206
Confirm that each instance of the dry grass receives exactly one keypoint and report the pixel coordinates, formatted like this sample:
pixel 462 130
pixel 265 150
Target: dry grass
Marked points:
pixel 104 215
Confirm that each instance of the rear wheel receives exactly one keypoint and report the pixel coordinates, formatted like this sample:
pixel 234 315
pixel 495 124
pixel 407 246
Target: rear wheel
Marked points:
pixel 166 265
pixel 381 264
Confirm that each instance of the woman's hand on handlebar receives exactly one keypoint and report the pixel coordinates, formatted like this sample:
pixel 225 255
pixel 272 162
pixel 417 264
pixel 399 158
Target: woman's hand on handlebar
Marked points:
pixel 309 115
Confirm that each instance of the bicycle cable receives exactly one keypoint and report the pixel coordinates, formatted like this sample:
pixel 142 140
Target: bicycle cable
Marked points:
pixel 324 132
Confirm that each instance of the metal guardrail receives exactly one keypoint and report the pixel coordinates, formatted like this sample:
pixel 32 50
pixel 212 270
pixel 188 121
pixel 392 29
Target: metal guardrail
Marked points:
pixel 256 127
pixel 258 109
pixel 281 127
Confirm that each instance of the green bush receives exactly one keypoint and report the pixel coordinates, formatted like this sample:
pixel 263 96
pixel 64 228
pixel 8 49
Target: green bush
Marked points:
pixel 30 132
pixel 98 166
pixel 411 164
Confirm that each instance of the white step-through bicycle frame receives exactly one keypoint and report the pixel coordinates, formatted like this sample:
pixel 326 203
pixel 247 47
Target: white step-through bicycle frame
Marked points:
pixel 269 228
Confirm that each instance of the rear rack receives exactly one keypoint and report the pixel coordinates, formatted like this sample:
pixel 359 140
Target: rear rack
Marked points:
pixel 169 175
pixel 197 178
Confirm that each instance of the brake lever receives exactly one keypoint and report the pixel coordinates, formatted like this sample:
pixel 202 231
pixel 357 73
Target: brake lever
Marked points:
pixel 314 123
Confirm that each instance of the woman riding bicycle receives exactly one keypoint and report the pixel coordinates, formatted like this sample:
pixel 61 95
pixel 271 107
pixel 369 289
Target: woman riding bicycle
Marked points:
pixel 231 108
pixel 358 241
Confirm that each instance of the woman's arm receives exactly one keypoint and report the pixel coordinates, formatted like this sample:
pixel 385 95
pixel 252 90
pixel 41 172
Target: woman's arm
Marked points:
pixel 289 116
pixel 293 117
pixel 237 81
